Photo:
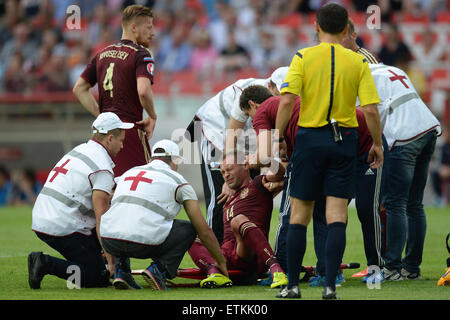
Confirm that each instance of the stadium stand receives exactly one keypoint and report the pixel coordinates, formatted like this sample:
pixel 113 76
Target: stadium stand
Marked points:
pixel 41 57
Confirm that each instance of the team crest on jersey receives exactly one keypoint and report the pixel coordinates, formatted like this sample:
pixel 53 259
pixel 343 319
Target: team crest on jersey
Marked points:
pixel 150 68
pixel 244 193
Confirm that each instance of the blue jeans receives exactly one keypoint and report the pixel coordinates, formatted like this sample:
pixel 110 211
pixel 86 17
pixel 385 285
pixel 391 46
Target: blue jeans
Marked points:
pixel 406 174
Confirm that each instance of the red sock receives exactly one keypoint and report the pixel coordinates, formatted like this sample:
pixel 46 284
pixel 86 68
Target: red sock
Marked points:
pixel 255 239
pixel 202 258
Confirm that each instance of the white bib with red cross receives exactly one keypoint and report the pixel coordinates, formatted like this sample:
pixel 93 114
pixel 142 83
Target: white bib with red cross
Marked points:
pixel 64 205
pixel 146 200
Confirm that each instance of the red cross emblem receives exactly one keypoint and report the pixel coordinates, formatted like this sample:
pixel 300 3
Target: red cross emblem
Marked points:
pixel 398 77
pixel 59 170
pixel 137 179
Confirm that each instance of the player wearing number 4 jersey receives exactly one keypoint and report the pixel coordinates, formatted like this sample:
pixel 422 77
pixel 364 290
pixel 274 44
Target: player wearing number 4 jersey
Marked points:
pixel 124 73
pixel 141 221
pixel 68 209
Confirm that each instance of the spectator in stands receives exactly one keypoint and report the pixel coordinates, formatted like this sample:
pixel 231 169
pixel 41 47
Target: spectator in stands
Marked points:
pixel 39 66
pixel 267 56
pixel 221 26
pixel 389 8
pixel 416 75
pixel 429 52
pixel 361 5
pixel 393 46
pixel 428 8
pixel 175 51
pixel 49 38
pixel 55 75
pixel 79 58
pixel 16 80
pixel 233 57
pixel 204 55
pixel 292 44
pixel 106 39
pixel 99 22
pixel 6 187
pixel 21 42
pixel 26 188
pixel 9 20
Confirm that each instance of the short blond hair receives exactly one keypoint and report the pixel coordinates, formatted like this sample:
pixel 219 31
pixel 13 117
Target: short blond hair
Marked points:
pixel 351 26
pixel 135 11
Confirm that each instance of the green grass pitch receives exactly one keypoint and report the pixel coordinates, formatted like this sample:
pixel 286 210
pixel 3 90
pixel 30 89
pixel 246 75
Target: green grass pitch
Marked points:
pixel 17 240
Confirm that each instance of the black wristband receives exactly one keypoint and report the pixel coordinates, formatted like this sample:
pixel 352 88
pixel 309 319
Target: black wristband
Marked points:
pixel 280 140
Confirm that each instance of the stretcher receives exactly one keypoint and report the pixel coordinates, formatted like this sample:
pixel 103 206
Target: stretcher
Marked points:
pixel 239 277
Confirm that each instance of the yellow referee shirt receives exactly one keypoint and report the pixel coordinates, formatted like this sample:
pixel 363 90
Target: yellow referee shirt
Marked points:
pixel 328 74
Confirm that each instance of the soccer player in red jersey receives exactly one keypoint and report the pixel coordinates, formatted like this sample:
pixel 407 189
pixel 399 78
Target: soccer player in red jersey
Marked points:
pixel 246 219
pixel 258 103
pixel 124 73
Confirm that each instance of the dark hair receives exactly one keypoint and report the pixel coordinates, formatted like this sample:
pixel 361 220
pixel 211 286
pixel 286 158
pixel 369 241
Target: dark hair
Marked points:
pixel 332 18
pixel 351 26
pixel 256 93
pixel 29 174
pixel 166 159
pixel 4 172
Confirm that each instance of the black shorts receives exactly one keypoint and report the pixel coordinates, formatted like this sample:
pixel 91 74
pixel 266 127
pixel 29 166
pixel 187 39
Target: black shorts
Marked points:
pixel 321 166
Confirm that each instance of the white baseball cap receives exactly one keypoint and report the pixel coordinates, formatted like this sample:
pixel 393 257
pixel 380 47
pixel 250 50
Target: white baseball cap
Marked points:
pixel 170 149
pixel 278 76
pixel 108 121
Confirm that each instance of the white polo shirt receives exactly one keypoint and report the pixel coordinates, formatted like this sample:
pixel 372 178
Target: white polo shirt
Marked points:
pixel 146 201
pixel 216 112
pixel 404 116
pixel 64 205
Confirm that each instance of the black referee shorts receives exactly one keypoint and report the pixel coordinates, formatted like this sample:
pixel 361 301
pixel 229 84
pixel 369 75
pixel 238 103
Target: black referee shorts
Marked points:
pixel 321 166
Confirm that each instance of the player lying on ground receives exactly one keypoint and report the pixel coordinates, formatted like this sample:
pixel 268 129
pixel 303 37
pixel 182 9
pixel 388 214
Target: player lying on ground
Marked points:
pixel 246 217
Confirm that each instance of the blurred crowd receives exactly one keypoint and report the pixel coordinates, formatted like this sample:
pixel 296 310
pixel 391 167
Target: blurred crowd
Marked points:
pixel 40 53
pixel 19 187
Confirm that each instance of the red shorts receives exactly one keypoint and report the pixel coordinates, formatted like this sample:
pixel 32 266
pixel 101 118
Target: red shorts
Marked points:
pixel 135 152
pixel 233 260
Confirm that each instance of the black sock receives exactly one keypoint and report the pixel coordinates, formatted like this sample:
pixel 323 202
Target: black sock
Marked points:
pixel 295 247
pixel 334 251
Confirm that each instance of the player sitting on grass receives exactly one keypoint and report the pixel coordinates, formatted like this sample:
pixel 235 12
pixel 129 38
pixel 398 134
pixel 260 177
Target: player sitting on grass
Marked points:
pixel 246 217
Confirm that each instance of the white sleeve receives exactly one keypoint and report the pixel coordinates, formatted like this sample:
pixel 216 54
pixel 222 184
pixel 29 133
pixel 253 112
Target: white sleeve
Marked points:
pixel 185 192
pixel 102 180
pixel 236 111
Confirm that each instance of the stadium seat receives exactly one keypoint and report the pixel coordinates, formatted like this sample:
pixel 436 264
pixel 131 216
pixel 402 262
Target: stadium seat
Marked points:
pixel 408 18
pixel 443 17
pixel 290 20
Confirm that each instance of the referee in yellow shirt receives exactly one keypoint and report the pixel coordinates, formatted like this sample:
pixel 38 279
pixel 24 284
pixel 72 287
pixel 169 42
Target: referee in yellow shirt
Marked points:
pixel 328 78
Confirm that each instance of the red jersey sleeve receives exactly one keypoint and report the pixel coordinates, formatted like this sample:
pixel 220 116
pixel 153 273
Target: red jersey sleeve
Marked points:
pixel 266 115
pixel 257 182
pixel 145 65
pixel 90 72
pixel 364 137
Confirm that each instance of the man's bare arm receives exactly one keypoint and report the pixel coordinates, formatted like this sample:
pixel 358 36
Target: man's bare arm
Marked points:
pixel 145 94
pixel 82 90
pixel 373 124
pixel 101 204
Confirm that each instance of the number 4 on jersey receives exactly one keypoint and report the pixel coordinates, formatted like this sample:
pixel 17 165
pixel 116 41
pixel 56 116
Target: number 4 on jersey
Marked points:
pixel 107 82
